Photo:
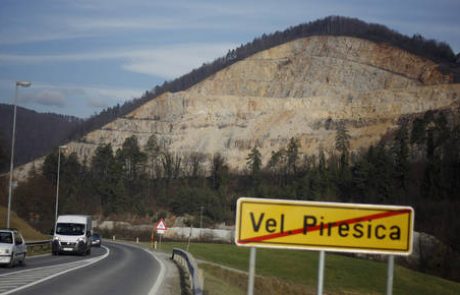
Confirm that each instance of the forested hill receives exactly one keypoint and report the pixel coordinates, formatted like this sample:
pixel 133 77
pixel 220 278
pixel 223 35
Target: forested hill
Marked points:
pixel 436 51
pixel 39 131
pixel 36 133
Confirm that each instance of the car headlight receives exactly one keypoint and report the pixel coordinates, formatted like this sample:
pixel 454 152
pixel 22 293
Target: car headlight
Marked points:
pixel 56 239
pixel 81 240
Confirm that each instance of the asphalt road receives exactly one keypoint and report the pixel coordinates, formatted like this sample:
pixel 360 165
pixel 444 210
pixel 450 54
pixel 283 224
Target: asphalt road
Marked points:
pixel 125 270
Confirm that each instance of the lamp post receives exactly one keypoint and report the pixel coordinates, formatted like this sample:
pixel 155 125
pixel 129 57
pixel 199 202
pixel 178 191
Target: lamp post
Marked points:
pixel 62 147
pixel 10 189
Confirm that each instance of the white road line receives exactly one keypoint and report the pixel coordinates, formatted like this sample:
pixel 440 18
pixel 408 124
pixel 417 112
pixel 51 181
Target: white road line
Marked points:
pixel 161 276
pixel 52 274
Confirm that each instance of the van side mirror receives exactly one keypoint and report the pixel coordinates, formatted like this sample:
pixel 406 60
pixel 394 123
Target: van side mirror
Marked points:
pixel 88 233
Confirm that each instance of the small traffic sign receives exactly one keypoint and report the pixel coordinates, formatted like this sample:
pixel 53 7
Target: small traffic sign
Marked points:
pixel 160 227
pixel 341 227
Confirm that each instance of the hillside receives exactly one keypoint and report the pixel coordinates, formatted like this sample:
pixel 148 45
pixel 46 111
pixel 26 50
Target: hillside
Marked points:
pixel 436 51
pixel 36 133
pixel 298 89
pixel 29 233
pixel 327 117
pixel 335 69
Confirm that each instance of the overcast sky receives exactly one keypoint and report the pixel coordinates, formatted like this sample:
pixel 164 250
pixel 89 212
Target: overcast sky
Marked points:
pixel 86 55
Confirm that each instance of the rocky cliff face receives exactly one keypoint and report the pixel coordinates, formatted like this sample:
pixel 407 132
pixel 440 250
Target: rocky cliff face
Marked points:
pixel 299 89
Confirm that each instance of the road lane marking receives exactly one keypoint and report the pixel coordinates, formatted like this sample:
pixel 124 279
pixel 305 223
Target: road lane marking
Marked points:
pixel 160 277
pixel 39 275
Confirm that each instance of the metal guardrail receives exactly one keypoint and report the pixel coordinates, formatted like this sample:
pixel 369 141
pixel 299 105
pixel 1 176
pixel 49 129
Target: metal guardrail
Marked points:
pixel 39 245
pixel 186 259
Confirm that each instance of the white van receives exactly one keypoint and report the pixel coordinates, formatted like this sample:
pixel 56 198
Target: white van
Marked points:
pixel 72 235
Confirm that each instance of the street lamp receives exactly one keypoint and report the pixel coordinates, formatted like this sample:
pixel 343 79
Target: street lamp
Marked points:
pixel 18 84
pixel 62 147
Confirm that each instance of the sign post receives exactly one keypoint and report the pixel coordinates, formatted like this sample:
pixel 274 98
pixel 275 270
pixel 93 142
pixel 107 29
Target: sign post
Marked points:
pixel 252 270
pixel 390 272
pixel 160 228
pixel 324 226
pixel 322 258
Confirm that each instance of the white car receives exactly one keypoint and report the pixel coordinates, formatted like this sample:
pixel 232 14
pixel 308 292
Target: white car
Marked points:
pixel 12 247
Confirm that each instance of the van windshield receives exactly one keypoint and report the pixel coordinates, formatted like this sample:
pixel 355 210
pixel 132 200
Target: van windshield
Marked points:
pixel 70 229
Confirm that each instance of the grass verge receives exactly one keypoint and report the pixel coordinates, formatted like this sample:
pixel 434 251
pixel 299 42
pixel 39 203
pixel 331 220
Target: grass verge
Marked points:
pixel 296 271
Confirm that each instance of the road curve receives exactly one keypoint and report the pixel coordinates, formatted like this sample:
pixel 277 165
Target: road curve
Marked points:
pixel 127 270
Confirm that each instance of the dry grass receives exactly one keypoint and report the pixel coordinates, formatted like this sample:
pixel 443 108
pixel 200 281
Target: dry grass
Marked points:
pixel 224 281
pixel 29 233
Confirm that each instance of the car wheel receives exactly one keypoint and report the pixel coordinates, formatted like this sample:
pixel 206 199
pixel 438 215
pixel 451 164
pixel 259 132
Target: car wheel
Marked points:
pixel 23 260
pixel 11 264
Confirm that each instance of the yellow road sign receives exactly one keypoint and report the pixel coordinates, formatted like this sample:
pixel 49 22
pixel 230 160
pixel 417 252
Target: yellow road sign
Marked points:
pixel 341 227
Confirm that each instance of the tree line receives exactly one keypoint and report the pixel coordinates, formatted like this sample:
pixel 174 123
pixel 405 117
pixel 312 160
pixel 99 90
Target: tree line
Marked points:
pixel 417 165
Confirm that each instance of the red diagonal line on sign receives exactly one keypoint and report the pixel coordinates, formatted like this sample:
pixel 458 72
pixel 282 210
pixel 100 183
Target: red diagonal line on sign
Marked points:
pixel 332 224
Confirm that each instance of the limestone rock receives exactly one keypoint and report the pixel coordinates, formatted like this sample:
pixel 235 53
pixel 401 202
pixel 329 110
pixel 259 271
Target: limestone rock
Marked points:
pixel 292 90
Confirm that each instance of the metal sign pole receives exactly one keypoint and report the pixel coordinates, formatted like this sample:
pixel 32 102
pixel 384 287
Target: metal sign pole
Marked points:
pixel 252 270
pixel 390 272
pixel 322 258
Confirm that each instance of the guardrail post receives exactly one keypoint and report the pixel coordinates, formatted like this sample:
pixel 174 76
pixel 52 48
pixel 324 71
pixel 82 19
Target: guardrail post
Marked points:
pixel 186 260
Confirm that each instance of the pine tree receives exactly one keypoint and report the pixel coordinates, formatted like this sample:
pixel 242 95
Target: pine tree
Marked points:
pixel 342 144
pixel 254 161
pixel 219 171
pixel 152 151
pixel 343 178
pixel 400 150
pixel 292 153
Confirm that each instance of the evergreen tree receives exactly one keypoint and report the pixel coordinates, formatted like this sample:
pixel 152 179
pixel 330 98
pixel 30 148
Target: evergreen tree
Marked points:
pixel 292 154
pixel 343 177
pixel 72 176
pixel 49 169
pixel 323 175
pixel 131 158
pixel 106 174
pixel 219 171
pixel 277 165
pixel 254 161
pixel 152 150
pixel 400 150
pixel 342 144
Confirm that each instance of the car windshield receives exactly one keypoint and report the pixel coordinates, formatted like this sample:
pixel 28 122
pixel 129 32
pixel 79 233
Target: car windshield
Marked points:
pixel 70 229
pixel 6 237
